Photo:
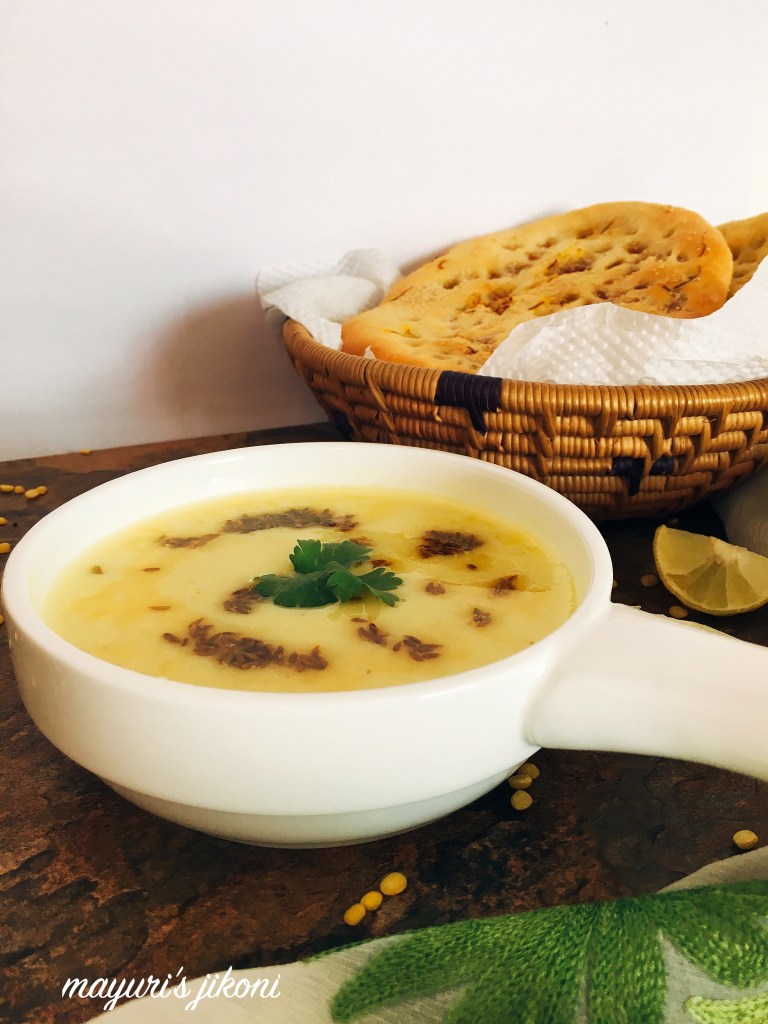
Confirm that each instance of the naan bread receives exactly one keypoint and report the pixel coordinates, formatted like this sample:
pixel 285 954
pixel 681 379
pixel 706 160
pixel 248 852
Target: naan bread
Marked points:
pixel 455 310
pixel 748 241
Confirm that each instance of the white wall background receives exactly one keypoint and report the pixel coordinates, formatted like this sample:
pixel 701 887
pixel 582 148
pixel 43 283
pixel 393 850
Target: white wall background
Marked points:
pixel 155 154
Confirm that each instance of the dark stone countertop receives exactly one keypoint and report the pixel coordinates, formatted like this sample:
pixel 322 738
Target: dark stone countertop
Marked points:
pixel 92 886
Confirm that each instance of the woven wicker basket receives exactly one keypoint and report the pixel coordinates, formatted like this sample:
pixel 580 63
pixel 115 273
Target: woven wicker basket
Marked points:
pixel 616 452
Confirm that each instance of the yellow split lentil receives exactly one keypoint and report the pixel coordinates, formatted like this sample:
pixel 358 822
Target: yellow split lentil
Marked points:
pixel 520 781
pixel 529 769
pixel 2 619
pixel 521 801
pixel 5 547
pixel 649 580
pixel 678 612
pixel 371 900
pixel 393 883
pixel 745 839
pixel 354 915
pixel 6 488
pixel 19 489
pixel 3 521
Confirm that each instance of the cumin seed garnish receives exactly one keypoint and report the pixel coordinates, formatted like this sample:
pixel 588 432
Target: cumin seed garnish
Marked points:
pixel 151 568
pixel 313 660
pixel 444 542
pixel 420 651
pixel 159 607
pixel 173 639
pixel 97 570
pixel 480 617
pixel 242 601
pixel 434 588
pixel 235 650
pixel 503 585
pixel 291 517
pixel 186 542
pixel 373 634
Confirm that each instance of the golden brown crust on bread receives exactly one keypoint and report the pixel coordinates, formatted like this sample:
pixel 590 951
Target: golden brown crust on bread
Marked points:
pixel 748 241
pixel 455 310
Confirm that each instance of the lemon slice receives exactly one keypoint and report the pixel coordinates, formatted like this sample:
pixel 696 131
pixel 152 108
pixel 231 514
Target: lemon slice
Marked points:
pixel 708 574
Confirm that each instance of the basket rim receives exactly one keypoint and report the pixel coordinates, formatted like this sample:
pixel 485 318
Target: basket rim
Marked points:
pixel 295 330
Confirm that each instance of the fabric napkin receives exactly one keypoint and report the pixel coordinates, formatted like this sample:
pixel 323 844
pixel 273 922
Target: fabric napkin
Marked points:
pixel 597 344
pixel 695 954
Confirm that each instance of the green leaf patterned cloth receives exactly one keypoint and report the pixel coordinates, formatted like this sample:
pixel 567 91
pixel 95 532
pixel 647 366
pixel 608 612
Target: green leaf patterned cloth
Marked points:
pixel 694 954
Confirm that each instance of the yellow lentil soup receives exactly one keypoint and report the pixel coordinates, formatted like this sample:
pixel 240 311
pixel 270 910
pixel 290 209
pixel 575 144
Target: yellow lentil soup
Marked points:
pixel 193 595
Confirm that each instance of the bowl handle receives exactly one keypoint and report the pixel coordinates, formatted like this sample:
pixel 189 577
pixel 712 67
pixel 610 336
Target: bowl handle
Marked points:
pixel 647 684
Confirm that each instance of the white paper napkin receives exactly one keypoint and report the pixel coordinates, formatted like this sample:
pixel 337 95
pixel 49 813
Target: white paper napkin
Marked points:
pixel 598 344
pixel 744 512
pixel 322 294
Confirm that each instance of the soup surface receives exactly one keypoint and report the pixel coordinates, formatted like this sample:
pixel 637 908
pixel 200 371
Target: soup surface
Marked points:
pixel 172 596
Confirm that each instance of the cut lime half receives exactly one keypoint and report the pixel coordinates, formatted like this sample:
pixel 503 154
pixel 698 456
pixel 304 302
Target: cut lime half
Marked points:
pixel 708 574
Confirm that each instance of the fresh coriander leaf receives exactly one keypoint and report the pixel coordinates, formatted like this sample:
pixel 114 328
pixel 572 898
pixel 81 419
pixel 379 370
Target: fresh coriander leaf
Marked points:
pixel 308 590
pixel 269 585
pixel 311 555
pixel 305 555
pixel 345 585
pixel 323 577
pixel 345 553
pixel 376 583
pixel 381 579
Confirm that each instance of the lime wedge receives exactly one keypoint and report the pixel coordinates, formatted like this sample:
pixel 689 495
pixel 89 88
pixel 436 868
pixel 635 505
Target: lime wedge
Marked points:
pixel 708 574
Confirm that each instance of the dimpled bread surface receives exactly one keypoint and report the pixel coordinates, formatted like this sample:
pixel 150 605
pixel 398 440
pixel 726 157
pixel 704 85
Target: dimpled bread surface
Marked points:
pixel 455 310
pixel 748 241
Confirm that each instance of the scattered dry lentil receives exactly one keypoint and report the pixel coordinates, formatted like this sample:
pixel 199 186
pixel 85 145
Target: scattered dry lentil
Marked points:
pixel 649 580
pixel 520 781
pixel 5 547
pixel 614 584
pixel 2 619
pixel 521 801
pixel 678 612
pixel 371 900
pixel 3 521
pixel 85 451
pixel 393 883
pixel 18 489
pixel 354 915
pixel 33 492
pixel 745 839
pixel 6 488
pixel 529 769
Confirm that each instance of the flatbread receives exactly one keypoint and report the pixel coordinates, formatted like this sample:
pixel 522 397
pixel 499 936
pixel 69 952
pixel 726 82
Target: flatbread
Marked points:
pixel 455 310
pixel 748 241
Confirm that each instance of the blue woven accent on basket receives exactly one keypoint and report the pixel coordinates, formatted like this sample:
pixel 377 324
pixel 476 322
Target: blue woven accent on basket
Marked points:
pixel 632 470
pixel 477 395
